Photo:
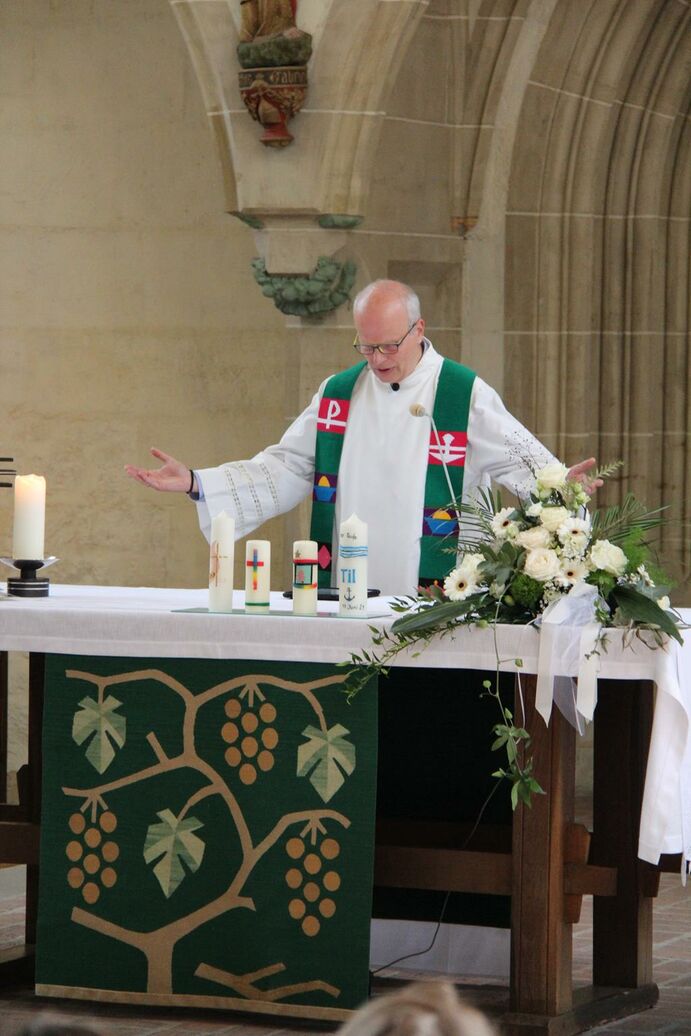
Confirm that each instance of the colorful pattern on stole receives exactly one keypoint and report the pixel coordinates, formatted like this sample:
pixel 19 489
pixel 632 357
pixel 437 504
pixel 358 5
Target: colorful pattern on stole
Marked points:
pixel 451 409
pixel 331 426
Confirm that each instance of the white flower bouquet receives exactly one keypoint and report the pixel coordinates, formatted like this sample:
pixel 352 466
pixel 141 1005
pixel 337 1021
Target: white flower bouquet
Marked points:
pixel 512 563
pixel 517 560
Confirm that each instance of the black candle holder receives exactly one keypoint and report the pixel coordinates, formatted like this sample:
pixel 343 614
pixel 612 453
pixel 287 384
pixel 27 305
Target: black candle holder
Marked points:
pixel 28 585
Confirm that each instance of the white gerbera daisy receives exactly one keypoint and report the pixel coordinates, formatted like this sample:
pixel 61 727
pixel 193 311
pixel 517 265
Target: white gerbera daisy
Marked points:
pixel 573 534
pixel 502 524
pixel 573 570
pixel 464 579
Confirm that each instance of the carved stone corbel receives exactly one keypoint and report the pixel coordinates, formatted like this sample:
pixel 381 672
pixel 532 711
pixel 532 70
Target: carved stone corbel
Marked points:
pixel 273 54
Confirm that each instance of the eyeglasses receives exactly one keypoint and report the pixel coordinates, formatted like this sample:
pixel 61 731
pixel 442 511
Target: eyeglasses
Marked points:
pixel 386 348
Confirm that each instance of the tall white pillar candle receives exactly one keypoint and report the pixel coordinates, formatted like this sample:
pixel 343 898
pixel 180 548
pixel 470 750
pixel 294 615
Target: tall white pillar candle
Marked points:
pixel 305 568
pixel 221 558
pixel 29 518
pixel 352 568
pixel 257 576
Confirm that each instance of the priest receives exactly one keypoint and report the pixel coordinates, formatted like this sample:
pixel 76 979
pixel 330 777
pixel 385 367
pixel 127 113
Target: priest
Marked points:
pixel 386 439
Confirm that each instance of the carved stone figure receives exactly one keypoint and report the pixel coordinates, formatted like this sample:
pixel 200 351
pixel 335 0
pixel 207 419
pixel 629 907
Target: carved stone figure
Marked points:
pixel 262 19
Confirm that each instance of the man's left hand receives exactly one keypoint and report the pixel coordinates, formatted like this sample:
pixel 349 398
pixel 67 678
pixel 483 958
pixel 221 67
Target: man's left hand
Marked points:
pixel 579 473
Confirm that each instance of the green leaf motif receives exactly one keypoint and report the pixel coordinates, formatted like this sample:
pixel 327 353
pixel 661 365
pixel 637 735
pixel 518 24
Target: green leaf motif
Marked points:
pixel 99 722
pixel 324 758
pixel 175 843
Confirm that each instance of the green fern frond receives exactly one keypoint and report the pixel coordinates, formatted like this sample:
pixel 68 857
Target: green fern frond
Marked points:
pixel 607 470
pixel 617 522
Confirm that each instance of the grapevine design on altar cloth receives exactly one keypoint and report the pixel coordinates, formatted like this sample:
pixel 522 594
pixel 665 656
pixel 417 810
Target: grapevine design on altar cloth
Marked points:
pixel 310 878
pixel 250 735
pixel 175 842
pixel 92 854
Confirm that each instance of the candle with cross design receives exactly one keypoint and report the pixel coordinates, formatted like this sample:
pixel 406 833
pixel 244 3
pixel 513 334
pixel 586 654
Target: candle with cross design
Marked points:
pixel 221 558
pixel 257 576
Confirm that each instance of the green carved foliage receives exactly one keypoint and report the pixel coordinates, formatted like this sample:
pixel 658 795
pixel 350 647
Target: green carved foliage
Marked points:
pixel 327 287
pixel 325 758
pixel 176 847
pixel 276 51
pixel 100 725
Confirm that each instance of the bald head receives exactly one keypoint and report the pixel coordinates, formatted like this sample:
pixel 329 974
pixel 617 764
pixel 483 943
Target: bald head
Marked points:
pixel 383 293
pixel 388 313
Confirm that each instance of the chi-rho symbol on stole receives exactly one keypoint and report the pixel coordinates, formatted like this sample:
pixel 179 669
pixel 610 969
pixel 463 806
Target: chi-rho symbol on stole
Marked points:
pixel 333 415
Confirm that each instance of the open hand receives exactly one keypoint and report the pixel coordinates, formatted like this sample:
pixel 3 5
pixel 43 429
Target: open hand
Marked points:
pixel 172 477
pixel 579 473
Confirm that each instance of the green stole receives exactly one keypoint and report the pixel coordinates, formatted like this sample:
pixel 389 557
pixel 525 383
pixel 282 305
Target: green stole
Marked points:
pixel 451 408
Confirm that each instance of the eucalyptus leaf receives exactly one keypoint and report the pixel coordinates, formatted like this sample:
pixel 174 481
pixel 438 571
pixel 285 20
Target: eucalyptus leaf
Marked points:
pixel 637 607
pixel 433 618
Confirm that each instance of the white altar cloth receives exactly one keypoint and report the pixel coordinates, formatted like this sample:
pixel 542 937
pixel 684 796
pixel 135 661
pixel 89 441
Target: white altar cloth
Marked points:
pixel 146 622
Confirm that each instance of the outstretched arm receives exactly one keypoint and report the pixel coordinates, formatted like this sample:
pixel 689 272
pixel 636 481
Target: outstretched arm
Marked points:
pixel 172 477
pixel 579 473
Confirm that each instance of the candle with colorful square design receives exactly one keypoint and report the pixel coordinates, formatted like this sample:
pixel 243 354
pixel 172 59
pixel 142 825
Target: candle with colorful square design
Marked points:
pixel 352 568
pixel 305 568
pixel 257 576
pixel 221 559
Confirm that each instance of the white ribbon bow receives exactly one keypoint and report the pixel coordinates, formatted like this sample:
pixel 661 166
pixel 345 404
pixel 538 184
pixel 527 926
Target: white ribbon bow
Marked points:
pixel 568 635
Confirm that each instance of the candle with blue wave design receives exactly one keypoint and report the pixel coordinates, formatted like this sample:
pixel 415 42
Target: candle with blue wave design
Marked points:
pixel 352 568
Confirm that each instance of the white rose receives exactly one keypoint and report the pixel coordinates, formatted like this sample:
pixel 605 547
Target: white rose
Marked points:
pixel 534 510
pixel 664 603
pixel 552 517
pixel 538 536
pixel 608 557
pixel 542 564
pixel 573 570
pixel 502 525
pixel 552 476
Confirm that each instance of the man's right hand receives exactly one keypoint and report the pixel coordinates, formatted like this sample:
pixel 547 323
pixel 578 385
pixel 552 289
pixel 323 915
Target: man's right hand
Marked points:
pixel 172 477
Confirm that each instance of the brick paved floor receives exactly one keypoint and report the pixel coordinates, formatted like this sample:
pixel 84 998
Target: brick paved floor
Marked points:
pixel 670 1017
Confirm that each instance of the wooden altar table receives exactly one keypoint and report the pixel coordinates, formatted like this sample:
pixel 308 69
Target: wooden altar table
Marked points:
pixel 547 864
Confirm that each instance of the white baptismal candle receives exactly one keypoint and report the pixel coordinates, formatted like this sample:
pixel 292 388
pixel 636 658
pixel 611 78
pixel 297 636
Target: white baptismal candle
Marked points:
pixel 352 568
pixel 305 567
pixel 29 518
pixel 221 558
pixel 257 576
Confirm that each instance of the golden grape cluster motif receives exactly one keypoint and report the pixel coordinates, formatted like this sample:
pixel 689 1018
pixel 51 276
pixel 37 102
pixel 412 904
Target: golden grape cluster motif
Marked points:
pixel 251 737
pixel 92 853
pixel 313 881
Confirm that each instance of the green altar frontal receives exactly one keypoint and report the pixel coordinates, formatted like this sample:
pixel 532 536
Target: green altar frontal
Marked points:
pixel 207 835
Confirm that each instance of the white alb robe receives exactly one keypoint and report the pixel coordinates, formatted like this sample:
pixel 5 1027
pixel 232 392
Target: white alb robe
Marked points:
pixel 382 471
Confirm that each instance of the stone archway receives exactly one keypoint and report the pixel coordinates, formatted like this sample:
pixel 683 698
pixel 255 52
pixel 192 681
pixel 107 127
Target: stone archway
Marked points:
pixel 597 248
